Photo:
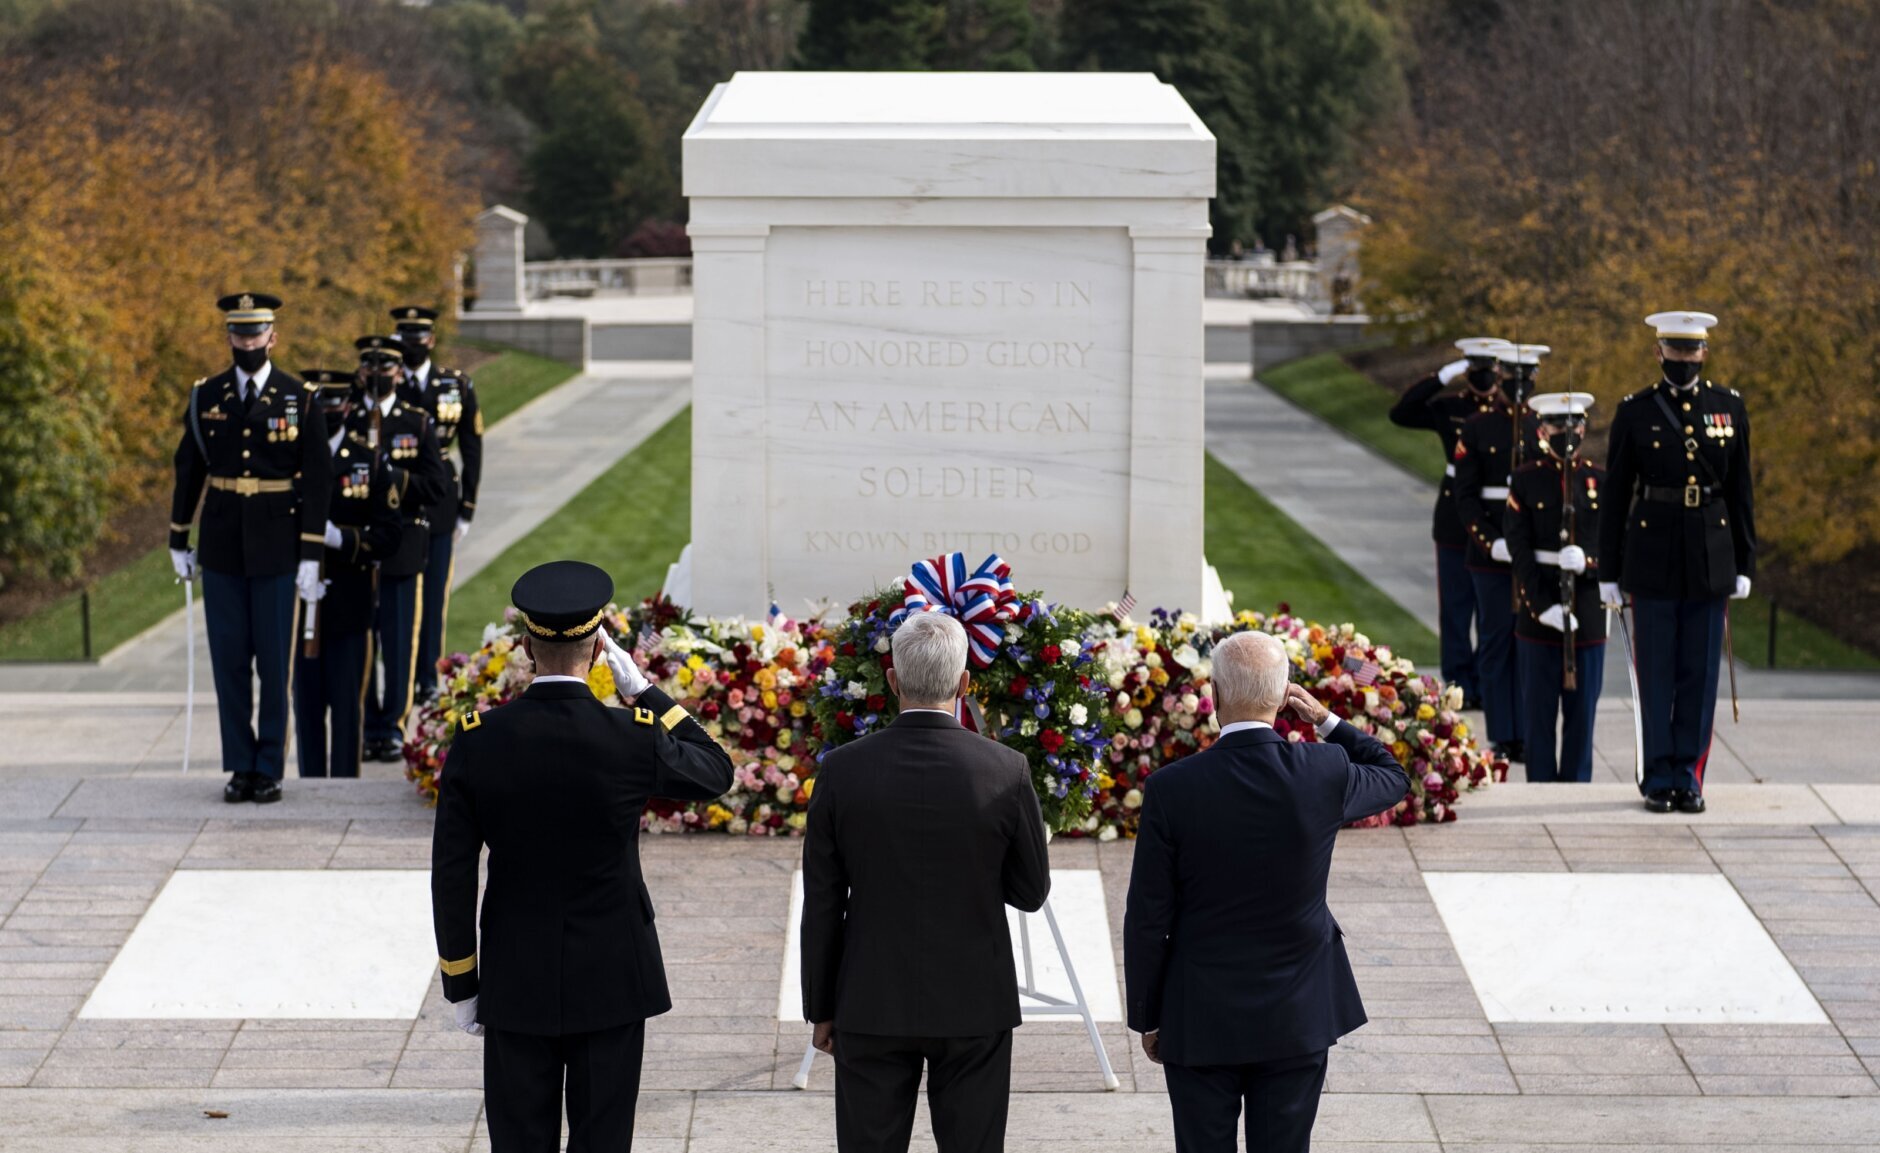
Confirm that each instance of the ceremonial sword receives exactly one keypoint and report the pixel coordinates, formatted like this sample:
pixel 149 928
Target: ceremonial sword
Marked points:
pixel 1638 712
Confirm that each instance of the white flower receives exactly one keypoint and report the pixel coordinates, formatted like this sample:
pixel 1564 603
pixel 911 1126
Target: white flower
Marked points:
pixel 1133 718
pixel 1187 656
pixel 737 826
pixel 1190 702
pixel 1122 700
pixel 857 690
pixel 1108 833
pixel 883 643
pixel 1079 714
pixel 1116 678
pixel 1132 799
pixel 1092 823
pixel 1013 631
pixel 1153 660
pixel 1028 727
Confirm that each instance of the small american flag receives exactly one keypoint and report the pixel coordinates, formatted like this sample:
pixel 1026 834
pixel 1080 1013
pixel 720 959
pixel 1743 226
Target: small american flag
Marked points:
pixel 649 640
pixel 1124 606
pixel 1363 670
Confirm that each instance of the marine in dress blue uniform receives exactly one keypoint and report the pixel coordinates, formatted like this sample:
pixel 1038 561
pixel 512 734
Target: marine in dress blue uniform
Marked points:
pixel 1426 405
pixel 450 397
pixel 399 439
pixel 1489 448
pixel 253 452
pixel 1682 546
pixel 362 525
pixel 1552 529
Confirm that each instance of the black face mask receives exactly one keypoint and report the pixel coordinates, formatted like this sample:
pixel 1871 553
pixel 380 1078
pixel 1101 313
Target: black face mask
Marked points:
pixel 1516 387
pixel 250 360
pixel 1565 443
pixel 1484 379
pixel 381 384
pixel 1682 372
pixel 415 354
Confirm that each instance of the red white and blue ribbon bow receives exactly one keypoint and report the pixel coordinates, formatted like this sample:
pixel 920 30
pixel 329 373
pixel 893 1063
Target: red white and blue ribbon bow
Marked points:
pixel 982 602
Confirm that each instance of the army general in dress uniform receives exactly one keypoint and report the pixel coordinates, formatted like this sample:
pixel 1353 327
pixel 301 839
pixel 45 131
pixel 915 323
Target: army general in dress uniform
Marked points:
pixel 568 968
pixel 401 438
pixel 254 452
pixel 450 398
pixel 1489 448
pixel 362 525
pixel 1552 529
pixel 1682 543
pixel 1426 405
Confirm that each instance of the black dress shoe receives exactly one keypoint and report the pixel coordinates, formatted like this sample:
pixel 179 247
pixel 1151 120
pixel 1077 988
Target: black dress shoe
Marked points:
pixel 1517 751
pixel 1688 802
pixel 1471 704
pixel 240 787
pixel 373 751
pixel 267 790
pixel 391 752
pixel 1659 801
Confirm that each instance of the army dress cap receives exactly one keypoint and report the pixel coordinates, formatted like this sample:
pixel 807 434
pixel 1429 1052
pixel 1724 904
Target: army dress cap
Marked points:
pixel 371 347
pixel 248 313
pixel 329 380
pixel 414 316
pixel 1481 346
pixel 1560 405
pixel 1682 325
pixel 562 600
pixel 1521 353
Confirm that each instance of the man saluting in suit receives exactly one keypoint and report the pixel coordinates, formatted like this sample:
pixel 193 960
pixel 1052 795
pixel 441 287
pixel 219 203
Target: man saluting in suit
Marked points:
pixel 1237 975
pixel 554 783
pixel 919 836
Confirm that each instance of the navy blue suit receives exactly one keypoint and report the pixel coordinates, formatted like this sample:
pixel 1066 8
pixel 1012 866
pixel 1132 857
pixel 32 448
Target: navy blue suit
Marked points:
pixel 1229 947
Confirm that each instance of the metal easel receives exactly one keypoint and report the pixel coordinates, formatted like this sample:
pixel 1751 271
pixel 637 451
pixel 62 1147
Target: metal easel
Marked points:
pixel 1049 1004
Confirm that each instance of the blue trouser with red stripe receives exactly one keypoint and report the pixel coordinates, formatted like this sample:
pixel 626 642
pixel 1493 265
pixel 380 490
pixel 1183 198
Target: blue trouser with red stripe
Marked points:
pixel 1498 671
pixel 1677 646
pixel 1455 600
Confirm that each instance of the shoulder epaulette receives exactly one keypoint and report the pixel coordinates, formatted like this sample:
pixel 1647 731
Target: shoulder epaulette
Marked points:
pixel 200 381
pixel 309 386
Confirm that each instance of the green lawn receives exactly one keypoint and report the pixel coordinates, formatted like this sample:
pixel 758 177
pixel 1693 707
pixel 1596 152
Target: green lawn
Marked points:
pixel 1348 400
pixel 1799 644
pixel 131 599
pixel 1265 557
pixel 632 521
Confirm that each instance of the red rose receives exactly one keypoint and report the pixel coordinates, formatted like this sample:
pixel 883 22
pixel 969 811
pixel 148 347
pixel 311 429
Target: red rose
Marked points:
pixel 846 649
pixel 709 709
pixel 1019 685
pixel 1051 739
pixel 1050 654
pixel 876 702
pixel 845 720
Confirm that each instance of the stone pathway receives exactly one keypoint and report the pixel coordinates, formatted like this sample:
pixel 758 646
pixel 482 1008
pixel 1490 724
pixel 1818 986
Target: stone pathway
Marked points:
pixel 534 462
pixel 81 860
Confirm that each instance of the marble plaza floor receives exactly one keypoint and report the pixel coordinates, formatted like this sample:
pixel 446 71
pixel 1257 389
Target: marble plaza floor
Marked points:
pixel 1549 972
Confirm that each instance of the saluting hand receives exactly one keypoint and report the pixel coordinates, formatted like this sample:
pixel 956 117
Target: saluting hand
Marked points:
pixel 1304 705
pixel 628 678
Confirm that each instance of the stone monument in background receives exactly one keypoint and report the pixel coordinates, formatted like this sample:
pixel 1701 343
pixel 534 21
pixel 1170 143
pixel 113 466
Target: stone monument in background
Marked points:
pixel 940 312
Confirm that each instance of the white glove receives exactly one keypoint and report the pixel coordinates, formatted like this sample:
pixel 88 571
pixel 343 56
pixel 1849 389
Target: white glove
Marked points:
pixel 1556 617
pixel 307 580
pixel 627 675
pixel 463 529
pixel 1610 596
pixel 183 560
pixel 1500 552
pixel 333 538
pixel 1742 588
pixel 466 1011
pixel 1573 558
pixel 1452 370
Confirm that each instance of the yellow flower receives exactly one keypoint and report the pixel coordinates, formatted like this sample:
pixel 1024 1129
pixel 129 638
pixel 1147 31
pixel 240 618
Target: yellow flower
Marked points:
pixel 798 708
pixel 716 815
pixel 695 662
pixel 770 699
pixel 766 678
pixel 1462 729
pixel 809 787
pixel 1425 713
pixel 1105 780
pixel 757 633
pixel 600 681
pixel 784 738
pixel 1400 750
pixel 684 675
pixel 497 664
pixel 1158 676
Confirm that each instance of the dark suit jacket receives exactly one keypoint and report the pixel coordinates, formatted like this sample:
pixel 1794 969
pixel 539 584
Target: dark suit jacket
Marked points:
pixel 1229 948
pixel 554 783
pixel 919 836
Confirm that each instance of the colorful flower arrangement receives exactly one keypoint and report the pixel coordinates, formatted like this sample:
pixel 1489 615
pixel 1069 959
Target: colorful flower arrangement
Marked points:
pixel 1096 703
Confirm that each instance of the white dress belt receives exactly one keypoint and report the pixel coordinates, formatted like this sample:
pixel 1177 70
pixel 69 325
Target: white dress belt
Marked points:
pixel 1449 470
pixel 1495 492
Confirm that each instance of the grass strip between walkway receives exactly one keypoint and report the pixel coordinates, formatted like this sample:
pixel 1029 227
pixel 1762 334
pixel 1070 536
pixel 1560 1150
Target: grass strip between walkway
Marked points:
pixel 130 599
pixel 1346 399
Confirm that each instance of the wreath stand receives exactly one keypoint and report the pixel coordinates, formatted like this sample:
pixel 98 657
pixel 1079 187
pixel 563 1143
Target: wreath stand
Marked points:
pixel 1049 1004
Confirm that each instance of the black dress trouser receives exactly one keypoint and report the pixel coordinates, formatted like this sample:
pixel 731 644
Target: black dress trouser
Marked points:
pixel 523 1080
pixel 1281 1100
pixel 969 1087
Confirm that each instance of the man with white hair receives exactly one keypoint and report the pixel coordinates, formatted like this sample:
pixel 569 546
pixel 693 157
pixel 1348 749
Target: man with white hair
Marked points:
pixel 919 835
pixel 1237 975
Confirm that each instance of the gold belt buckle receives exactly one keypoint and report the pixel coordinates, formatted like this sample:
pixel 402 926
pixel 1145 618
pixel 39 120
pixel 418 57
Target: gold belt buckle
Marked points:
pixel 247 485
pixel 1693 496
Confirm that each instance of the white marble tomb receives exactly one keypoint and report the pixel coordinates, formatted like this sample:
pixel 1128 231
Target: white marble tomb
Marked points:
pixel 941 312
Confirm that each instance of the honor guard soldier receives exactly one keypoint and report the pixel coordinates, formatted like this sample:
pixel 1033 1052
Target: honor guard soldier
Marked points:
pixel 1682 544
pixel 254 438
pixel 335 646
pixel 1425 405
pixel 555 782
pixel 451 399
pixel 399 438
pixel 1489 448
pixel 1552 529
